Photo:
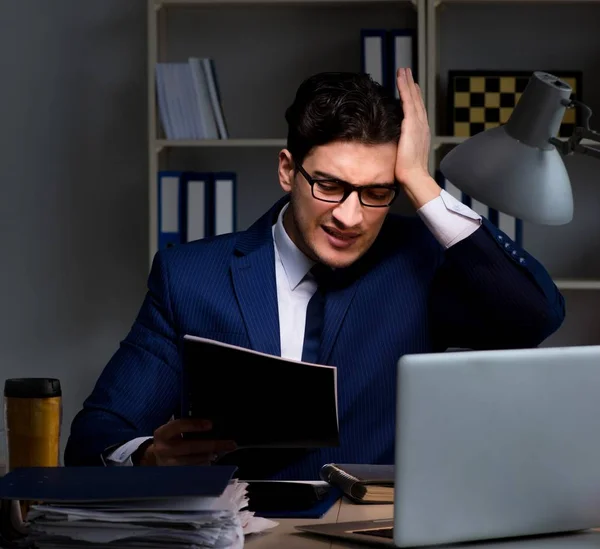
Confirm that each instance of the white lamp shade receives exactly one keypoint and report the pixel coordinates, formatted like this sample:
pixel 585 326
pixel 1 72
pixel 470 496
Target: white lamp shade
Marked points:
pixel 510 176
pixel 515 168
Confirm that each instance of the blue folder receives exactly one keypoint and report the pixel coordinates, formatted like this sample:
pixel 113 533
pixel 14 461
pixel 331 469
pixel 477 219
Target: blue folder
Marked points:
pixel 316 511
pixel 171 209
pixel 87 484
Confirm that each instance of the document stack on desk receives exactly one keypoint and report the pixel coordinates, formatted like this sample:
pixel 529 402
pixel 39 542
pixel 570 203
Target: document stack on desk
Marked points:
pixel 185 522
pixel 181 506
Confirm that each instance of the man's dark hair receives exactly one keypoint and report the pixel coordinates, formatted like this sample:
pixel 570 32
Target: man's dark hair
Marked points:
pixel 341 106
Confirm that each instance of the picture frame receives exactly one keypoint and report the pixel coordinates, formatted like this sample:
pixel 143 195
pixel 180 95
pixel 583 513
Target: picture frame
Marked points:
pixel 479 100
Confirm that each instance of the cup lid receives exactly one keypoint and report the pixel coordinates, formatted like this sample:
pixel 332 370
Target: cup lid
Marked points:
pixel 32 387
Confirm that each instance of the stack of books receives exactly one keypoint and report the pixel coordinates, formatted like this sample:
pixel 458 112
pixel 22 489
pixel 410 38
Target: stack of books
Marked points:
pixel 189 100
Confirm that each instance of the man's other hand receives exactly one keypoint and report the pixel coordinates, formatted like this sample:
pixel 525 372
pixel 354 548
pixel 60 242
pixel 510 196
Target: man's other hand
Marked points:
pixel 169 447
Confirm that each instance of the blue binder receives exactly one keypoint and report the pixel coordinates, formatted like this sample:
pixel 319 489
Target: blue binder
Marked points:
pixel 493 216
pixel 519 232
pixel 440 179
pixel 89 484
pixel 171 209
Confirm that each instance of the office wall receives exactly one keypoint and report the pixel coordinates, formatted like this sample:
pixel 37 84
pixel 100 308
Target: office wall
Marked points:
pixel 74 187
pixel 73 211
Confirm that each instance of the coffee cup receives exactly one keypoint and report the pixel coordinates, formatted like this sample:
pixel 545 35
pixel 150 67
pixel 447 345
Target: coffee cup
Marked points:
pixel 32 421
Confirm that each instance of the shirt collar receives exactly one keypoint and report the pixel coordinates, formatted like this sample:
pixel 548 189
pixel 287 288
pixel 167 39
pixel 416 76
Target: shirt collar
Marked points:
pixel 295 263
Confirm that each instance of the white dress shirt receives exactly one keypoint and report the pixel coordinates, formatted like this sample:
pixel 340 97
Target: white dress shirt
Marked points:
pixel 449 220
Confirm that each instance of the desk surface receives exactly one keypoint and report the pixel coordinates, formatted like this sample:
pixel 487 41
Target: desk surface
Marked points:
pixel 286 536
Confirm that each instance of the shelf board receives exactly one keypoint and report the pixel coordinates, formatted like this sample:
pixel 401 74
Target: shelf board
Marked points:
pixel 175 143
pixel 437 141
pixel 447 140
pixel 183 3
pixel 577 284
pixel 452 140
pixel 438 2
pixel 281 142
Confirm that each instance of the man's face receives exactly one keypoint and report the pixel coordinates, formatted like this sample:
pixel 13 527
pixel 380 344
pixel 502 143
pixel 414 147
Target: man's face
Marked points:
pixel 336 234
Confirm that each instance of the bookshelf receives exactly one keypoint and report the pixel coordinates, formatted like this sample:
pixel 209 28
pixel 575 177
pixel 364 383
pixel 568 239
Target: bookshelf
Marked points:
pixel 297 38
pixel 564 39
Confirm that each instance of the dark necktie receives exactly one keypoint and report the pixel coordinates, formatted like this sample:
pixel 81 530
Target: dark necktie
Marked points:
pixel 315 313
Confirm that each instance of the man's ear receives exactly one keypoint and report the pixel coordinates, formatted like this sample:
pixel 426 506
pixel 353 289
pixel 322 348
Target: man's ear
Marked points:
pixel 286 170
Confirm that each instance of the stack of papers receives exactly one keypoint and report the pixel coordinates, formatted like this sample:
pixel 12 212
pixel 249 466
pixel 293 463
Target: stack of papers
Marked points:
pixel 184 522
pixel 92 507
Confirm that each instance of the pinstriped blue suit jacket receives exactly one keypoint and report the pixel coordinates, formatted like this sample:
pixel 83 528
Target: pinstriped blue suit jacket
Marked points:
pixel 406 295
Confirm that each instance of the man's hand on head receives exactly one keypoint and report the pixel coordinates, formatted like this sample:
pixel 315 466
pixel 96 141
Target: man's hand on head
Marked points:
pixel 412 159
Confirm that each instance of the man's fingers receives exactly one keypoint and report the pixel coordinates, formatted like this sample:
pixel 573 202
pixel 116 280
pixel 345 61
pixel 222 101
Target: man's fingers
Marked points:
pixel 185 447
pixel 421 102
pixel 404 90
pixel 174 428
pixel 420 94
pixel 410 94
pixel 195 459
pixel 412 103
pixel 417 97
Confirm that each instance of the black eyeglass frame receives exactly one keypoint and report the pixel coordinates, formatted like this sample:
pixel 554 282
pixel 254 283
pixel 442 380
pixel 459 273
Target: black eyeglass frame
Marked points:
pixel 349 188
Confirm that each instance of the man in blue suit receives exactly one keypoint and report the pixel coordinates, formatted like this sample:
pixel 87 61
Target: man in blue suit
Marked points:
pixel 443 278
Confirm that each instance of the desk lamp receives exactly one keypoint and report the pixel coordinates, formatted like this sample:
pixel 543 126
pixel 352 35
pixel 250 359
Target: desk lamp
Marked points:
pixel 517 168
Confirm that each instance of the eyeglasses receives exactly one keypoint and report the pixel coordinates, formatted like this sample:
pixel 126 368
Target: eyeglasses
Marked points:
pixel 335 190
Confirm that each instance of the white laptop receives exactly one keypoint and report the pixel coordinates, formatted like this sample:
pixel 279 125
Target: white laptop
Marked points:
pixel 490 445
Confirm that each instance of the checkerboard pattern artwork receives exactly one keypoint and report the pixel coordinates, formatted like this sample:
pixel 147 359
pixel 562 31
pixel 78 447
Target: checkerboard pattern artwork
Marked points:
pixel 481 100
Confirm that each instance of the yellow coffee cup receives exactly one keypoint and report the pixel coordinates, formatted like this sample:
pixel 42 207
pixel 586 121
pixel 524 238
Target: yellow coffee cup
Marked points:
pixel 32 421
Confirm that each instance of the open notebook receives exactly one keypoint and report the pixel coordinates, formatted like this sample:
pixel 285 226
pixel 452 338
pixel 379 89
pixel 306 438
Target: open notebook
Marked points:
pixel 256 399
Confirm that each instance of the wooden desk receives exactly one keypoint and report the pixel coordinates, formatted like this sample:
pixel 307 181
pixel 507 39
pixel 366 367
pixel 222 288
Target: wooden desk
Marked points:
pixel 286 536
pixel 350 512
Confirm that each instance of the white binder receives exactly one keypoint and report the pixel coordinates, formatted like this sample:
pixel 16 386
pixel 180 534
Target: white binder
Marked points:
pixel 198 205
pixel 225 202
pixel 374 54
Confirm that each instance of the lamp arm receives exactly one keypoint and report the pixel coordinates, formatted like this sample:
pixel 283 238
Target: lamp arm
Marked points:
pixel 573 144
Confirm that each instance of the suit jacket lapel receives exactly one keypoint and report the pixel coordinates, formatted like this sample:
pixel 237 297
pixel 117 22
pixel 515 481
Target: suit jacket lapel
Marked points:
pixel 256 291
pixel 254 282
pixel 336 306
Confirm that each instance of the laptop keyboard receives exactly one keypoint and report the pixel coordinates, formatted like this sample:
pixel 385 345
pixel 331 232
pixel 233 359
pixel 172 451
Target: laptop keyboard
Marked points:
pixel 379 532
